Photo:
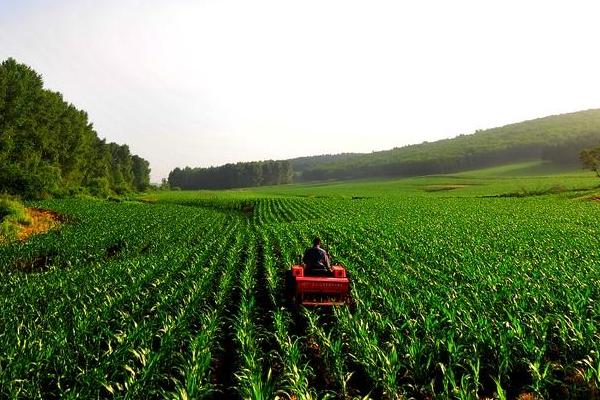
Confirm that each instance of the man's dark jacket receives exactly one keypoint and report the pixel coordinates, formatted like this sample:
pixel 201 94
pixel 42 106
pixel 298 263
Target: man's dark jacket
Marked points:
pixel 316 258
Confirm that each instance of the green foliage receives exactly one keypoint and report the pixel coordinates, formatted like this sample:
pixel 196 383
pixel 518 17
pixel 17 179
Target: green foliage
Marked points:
pixel 141 173
pixel 99 187
pixel 591 159
pixel 243 174
pixel 14 211
pixel 48 147
pixel 12 214
pixel 7 231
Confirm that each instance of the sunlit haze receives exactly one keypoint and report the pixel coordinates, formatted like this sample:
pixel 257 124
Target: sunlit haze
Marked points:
pixel 204 83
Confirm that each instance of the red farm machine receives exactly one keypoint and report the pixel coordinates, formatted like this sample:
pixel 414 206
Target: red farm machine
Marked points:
pixel 309 290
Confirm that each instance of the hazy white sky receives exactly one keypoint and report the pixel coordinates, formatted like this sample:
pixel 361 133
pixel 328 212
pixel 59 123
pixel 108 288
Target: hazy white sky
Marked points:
pixel 208 82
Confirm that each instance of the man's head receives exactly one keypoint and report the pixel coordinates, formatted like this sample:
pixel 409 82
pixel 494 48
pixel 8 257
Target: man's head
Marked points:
pixel 316 241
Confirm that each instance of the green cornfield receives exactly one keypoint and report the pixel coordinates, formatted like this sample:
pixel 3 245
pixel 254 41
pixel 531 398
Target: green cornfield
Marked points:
pixel 457 294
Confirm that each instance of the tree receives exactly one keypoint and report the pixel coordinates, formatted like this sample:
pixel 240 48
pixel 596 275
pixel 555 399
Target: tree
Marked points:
pixel 242 174
pixel 141 173
pixel 48 146
pixel 164 184
pixel 590 159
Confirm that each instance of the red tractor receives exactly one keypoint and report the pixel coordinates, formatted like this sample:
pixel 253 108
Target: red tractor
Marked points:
pixel 310 290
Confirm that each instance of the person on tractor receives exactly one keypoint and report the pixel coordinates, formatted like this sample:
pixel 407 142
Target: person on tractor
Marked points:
pixel 316 260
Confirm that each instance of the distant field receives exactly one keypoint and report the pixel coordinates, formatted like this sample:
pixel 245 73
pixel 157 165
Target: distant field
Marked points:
pixel 476 285
pixel 526 177
pixel 528 169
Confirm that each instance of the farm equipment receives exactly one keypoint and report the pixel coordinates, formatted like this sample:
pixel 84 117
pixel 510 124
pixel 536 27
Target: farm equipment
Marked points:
pixel 307 290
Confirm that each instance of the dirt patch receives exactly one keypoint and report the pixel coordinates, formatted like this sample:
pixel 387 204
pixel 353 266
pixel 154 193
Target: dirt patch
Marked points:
pixel 147 200
pixel 595 197
pixel 248 209
pixel 556 189
pixel 115 248
pixel 41 221
pixel 442 188
pixel 575 383
pixel 528 396
pixel 322 379
pixel 39 263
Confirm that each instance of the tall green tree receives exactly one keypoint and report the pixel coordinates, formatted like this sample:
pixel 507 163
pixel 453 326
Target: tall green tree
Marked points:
pixel 141 173
pixel 48 146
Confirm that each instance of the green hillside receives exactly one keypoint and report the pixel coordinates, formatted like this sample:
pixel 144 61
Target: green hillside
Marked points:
pixel 557 139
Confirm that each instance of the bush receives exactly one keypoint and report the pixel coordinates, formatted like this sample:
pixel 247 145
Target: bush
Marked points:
pixel 7 230
pixel 12 210
pixel 38 183
pixel 12 214
pixel 99 187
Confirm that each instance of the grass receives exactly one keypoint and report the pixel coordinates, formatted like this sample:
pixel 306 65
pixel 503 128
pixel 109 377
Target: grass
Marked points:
pixel 527 177
pixel 525 169
pixel 12 215
pixel 495 181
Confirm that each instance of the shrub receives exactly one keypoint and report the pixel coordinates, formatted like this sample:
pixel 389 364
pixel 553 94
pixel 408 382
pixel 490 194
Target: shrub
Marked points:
pixel 12 213
pixel 99 187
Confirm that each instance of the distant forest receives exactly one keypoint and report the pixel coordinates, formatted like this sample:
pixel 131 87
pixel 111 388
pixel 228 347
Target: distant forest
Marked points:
pixel 558 139
pixel 242 174
pixel 48 146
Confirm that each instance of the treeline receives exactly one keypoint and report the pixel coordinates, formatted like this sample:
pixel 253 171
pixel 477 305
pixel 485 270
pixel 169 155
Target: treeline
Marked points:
pixel 558 139
pixel 242 174
pixel 49 147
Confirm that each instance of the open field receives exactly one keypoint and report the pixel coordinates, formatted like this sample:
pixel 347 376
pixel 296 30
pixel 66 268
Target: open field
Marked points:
pixel 477 285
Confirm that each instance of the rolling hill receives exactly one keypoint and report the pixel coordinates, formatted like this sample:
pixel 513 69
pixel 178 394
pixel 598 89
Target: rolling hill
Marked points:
pixel 557 138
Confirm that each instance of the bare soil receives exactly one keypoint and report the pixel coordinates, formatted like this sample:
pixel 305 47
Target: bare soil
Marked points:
pixel 441 188
pixel 41 221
